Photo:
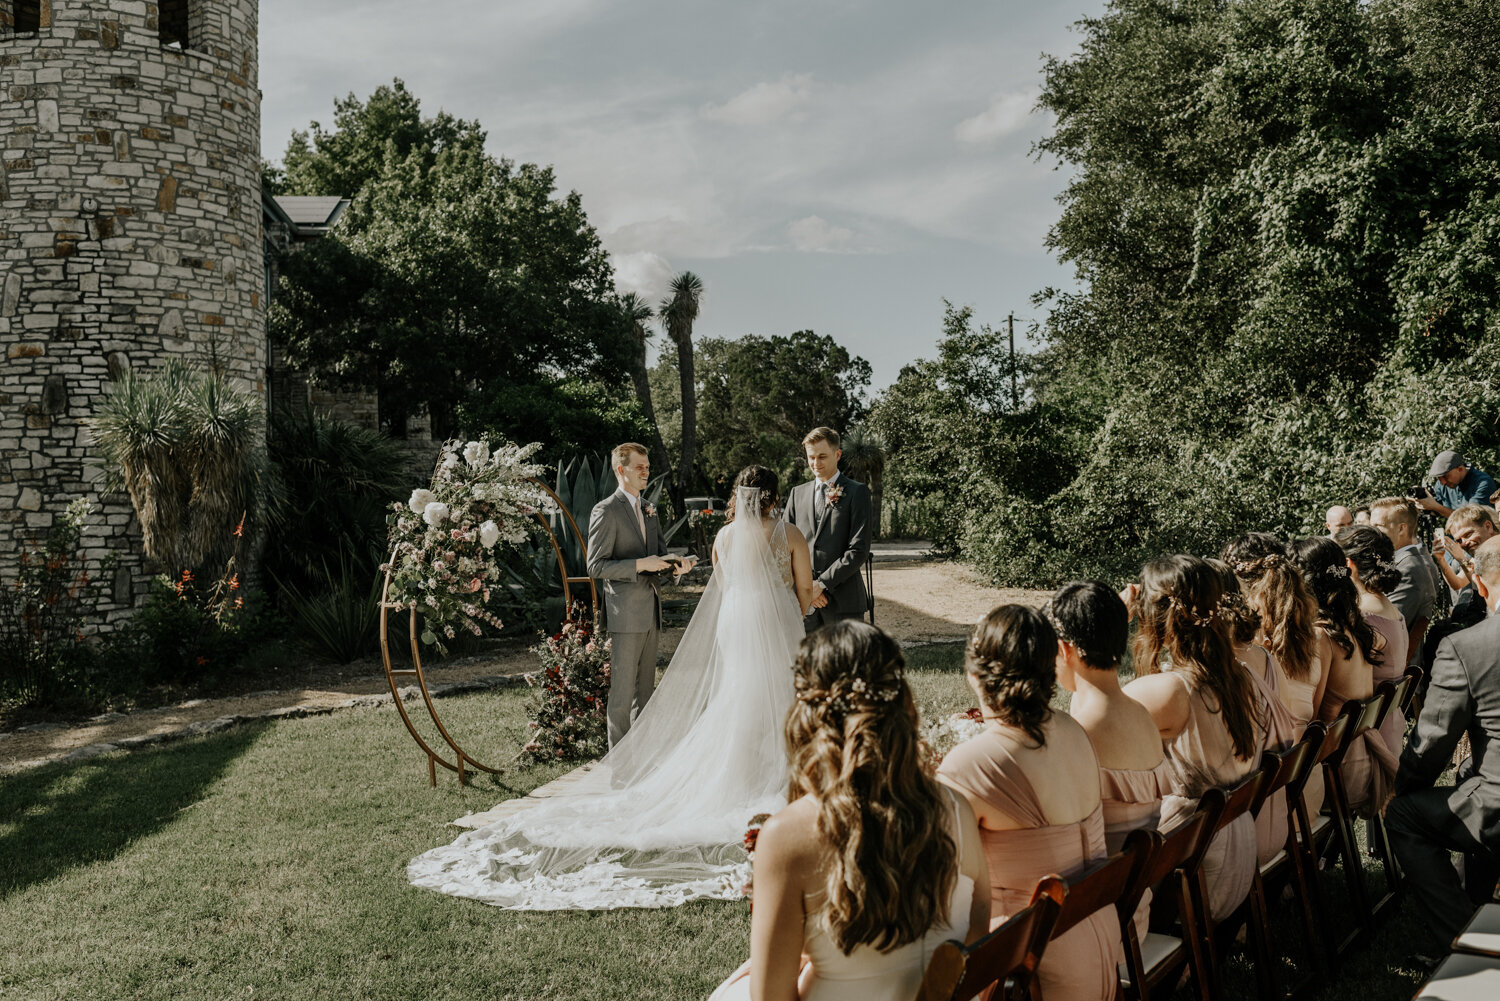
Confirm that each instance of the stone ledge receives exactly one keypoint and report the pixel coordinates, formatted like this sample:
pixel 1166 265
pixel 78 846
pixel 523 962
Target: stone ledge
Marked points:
pixel 201 728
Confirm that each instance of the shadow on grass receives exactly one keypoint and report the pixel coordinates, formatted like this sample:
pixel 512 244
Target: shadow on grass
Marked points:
pixel 55 818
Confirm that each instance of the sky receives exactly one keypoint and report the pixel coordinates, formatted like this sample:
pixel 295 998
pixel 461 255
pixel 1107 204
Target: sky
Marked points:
pixel 831 165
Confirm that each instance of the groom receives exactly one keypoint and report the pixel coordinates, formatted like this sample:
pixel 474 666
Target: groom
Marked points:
pixel 833 511
pixel 625 552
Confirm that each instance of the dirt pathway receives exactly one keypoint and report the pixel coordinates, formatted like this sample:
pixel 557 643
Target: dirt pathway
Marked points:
pixel 915 601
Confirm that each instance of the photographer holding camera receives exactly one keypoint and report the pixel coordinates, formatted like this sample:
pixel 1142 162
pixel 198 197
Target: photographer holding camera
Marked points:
pixel 1458 483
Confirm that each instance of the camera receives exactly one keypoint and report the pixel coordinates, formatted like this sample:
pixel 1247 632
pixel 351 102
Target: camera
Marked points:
pixel 1418 492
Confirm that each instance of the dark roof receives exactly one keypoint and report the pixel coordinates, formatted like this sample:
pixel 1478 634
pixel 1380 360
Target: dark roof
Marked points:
pixel 312 215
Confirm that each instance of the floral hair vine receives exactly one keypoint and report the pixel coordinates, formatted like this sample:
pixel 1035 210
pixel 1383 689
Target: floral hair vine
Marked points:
pixel 1337 571
pixel 1192 616
pixel 847 694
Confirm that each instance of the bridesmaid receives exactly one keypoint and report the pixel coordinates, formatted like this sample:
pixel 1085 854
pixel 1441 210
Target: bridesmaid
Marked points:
pixel 1371 559
pixel 1033 782
pixel 1093 628
pixel 1351 649
pixel 873 864
pixel 1207 709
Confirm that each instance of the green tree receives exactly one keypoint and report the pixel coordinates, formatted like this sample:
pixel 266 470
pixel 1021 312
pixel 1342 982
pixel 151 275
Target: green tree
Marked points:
pixel 759 395
pixel 679 310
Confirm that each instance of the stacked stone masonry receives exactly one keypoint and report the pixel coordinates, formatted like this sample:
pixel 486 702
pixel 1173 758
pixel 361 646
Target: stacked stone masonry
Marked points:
pixel 130 233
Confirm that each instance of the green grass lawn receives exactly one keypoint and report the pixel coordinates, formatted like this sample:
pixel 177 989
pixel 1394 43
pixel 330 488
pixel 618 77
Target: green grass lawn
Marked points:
pixel 269 862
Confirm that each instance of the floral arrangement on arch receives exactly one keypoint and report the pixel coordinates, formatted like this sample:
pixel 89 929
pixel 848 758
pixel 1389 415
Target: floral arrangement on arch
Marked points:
pixel 568 719
pixel 444 537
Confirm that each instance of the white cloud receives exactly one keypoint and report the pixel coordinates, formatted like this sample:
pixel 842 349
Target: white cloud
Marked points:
pixel 644 273
pixel 814 233
pixel 764 103
pixel 1006 114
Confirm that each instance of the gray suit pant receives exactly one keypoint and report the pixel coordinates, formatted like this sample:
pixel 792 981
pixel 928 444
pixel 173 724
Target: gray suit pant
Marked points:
pixel 1423 832
pixel 817 618
pixel 632 679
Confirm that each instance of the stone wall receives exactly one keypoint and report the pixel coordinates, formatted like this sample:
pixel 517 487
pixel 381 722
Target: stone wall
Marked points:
pixel 130 232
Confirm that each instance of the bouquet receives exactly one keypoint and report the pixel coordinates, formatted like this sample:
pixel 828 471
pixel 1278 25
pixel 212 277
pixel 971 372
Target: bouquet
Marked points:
pixel 444 561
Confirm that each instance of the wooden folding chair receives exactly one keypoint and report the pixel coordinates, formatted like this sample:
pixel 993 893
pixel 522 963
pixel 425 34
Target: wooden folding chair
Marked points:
pixel 1324 832
pixel 1218 933
pixel 1172 866
pixel 1392 693
pixel 1364 715
pixel 1294 864
pixel 1007 956
pixel 1101 885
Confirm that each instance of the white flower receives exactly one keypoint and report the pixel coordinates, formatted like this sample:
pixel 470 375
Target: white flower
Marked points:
pixel 420 499
pixel 476 452
pixel 489 534
pixel 435 513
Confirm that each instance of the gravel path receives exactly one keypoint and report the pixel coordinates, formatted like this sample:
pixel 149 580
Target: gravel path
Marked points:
pixel 916 601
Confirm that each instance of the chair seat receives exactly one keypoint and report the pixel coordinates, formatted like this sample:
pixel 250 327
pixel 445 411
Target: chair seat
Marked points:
pixel 1270 864
pixel 1321 824
pixel 1462 977
pixel 1155 950
pixel 1482 934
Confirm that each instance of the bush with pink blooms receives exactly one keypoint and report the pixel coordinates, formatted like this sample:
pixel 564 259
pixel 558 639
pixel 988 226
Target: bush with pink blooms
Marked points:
pixel 567 718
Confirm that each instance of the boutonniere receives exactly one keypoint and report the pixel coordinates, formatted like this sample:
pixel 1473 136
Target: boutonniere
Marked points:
pixel 835 494
pixel 649 510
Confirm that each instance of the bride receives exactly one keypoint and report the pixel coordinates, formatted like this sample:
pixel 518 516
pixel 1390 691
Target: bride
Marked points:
pixel 660 819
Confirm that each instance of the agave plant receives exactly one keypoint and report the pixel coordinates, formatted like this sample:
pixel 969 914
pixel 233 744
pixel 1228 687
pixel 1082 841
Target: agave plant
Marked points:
pixel 190 451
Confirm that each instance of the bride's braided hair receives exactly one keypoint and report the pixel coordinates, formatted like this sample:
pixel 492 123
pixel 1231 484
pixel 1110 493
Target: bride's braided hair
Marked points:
pixel 761 479
pixel 852 743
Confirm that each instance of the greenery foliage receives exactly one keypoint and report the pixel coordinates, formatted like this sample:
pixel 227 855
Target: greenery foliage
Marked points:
pixel 43 613
pixel 1284 218
pixel 189 450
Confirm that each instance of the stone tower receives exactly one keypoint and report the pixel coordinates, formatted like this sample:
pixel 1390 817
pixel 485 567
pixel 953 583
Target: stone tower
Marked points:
pixel 130 232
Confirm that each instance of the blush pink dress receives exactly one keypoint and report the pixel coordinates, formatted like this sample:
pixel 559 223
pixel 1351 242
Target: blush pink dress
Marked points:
pixel 1369 767
pixel 1082 964
pixel 1131 799
pixel 1281 733
pixel 1391 668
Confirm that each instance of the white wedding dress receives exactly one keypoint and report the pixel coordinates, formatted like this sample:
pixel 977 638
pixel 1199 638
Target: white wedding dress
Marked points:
pixel 661 818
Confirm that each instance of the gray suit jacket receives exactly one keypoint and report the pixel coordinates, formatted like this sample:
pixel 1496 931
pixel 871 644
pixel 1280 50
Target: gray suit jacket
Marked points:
pixel 1463 697
pixel 1416 594
pixel 839 541
pixel 632 601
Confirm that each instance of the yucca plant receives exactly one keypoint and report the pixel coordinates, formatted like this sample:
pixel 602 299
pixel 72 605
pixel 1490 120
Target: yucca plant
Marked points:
pixel 340 617
pixel 189 450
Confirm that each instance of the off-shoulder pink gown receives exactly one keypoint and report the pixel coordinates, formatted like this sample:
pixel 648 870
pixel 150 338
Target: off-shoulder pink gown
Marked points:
pixel 1082 964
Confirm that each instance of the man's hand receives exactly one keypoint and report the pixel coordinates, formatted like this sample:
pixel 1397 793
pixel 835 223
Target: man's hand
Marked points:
pixel 820 600
pixel 1429 503
pixel 651 564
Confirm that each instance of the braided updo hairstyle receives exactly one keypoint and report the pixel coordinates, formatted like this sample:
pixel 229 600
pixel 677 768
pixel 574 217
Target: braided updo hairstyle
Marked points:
pixel 1327 576
pixel 852 742
pixel 761 479
pixel 1013 655
pixel 1274 587
pixel 1179 610
pixel 1373 555
pixel 1243 621
pixel 1091 616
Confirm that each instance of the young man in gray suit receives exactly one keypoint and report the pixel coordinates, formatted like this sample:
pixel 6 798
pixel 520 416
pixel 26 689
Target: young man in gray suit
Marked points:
pixel 625 554
pixel 1427 822
pixel 1416 594
pixel 833 512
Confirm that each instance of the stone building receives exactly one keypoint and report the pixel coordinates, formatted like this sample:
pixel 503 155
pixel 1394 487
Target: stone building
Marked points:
pixel 130 232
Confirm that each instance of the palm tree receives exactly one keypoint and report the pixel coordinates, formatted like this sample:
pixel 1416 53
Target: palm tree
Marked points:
pixel 639 312
pixel 678 311
pixel 864 460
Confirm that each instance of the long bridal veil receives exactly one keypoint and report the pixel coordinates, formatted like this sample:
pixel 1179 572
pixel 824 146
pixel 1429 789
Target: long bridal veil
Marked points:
pixel 660 819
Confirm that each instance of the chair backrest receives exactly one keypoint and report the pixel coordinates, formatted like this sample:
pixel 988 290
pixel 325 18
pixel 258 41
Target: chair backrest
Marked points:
pixel 1391 693
pixel 1270 769
pixel 1298 761
pixel 1237 801
pixel 1012 951
pixel 1416 634
pixel 1100 885
pixel 1413 678
pixel 1372 710
pixel 1148 843
pixel 1184 847
pixel 1337 734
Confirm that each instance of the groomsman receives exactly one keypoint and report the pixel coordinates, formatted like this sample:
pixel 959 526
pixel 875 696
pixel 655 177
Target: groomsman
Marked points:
pixel 625 554
pixel 833 511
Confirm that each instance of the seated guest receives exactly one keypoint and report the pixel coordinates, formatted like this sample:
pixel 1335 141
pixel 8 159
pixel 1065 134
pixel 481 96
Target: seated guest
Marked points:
pixel 1338 517
pixel 1093 627
pixel 1351 649
pixel 1467 529
pixel 1371 559
pixel 1281 728
pixel 1362 515
pixel 1033 782
pixel 1274 589
pixel 1427 822
pixel 873 864
pixel 1207 709
pixel 1458 483
pixel 1416 595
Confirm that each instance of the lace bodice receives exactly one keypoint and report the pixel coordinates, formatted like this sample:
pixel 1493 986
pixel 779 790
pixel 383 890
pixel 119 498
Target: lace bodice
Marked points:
pixel 781 555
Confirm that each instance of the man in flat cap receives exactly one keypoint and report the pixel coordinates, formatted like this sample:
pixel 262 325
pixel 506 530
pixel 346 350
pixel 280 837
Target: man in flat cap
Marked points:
pixel 1458 483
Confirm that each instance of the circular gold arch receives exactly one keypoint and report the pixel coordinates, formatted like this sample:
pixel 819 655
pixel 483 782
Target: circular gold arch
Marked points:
pixel 461 759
